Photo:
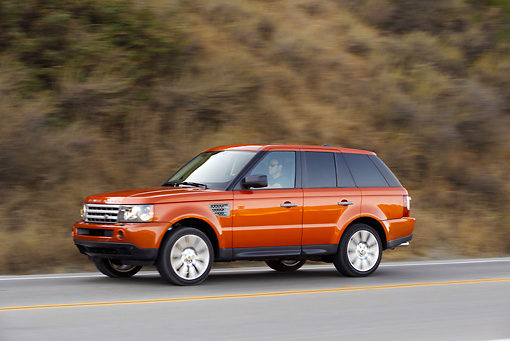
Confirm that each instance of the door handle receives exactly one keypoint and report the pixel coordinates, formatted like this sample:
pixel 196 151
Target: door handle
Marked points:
pixel 345 203
pixel 288 204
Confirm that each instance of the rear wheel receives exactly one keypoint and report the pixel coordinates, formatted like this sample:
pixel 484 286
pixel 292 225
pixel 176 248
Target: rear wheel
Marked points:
pixel 115 268
pixel 285 265
pixel 360 250
pixel 186 257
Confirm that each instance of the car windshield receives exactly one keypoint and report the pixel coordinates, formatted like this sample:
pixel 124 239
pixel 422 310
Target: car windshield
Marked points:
pixel 211 169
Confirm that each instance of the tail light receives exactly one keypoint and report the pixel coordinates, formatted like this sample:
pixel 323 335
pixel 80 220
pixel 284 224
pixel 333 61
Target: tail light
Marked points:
pixel 407 206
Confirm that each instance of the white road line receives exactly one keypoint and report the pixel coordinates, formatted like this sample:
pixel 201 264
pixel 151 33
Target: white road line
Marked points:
pixel 264 269
pixel 446 262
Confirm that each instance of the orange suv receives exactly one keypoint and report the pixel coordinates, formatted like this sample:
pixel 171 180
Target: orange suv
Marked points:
pixel 277 203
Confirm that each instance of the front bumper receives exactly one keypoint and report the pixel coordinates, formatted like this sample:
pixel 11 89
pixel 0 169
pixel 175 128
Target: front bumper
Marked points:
pixel 127 242
pixel 122 251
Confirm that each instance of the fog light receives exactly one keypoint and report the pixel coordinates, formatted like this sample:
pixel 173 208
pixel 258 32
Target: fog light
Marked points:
pixel 120 234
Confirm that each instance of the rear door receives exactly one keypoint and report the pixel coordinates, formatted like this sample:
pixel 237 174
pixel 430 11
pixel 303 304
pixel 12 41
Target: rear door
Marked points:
pixel 331 200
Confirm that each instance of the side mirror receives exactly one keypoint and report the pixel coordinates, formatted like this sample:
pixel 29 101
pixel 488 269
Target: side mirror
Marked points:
pixel 255 181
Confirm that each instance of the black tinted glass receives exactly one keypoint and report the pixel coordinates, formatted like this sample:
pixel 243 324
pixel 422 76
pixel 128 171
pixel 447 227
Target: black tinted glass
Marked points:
pixel 344 177
pixel 320 170
pixel 365 173
pixel 388 174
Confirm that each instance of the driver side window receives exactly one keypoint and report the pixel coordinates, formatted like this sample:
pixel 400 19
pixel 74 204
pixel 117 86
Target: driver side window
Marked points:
pixel 280 169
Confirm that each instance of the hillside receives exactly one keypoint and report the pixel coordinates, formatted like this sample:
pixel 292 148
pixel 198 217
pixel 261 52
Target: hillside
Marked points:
pixel 99 95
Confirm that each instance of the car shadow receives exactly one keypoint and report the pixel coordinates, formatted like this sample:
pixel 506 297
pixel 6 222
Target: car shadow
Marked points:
pixel 258 277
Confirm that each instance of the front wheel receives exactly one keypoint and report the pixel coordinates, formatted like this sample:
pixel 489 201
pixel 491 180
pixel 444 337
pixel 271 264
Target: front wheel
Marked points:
pixel 359 252
pixel 114 268
pixel 285 265
pixel 186 257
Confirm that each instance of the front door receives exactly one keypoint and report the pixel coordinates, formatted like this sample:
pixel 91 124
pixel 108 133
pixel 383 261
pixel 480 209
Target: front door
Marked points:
pixel 267 222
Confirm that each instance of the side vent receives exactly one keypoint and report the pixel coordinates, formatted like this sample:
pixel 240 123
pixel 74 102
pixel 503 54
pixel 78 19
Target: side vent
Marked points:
pixel 220 210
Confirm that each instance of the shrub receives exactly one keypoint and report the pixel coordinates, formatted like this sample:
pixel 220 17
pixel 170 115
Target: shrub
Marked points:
pixel 47 35
pixel 405 16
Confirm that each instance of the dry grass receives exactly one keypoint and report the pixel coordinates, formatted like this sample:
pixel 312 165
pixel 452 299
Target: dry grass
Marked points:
pixel 433 103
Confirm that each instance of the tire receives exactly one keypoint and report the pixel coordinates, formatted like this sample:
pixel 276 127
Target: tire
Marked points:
pixel 360 250
pixel 285 265
pixel 186 257
pixel 114 268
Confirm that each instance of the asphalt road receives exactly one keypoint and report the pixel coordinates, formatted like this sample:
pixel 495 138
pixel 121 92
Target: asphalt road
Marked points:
pixel 439 300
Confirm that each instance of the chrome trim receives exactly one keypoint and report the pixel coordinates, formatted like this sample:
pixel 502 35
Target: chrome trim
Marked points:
pixel 288 205
pixel 405 244
pixel 101 213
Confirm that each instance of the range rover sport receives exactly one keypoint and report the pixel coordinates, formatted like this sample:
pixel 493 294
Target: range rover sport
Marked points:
pixel 281 204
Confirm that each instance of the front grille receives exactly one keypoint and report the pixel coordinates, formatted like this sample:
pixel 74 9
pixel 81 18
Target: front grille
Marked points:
pixel 100 213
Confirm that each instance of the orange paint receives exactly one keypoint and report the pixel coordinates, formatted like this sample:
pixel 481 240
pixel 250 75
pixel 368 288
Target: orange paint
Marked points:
pixel 235 218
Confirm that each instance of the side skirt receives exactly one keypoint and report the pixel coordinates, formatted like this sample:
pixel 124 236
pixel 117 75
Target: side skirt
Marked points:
pixel 277 252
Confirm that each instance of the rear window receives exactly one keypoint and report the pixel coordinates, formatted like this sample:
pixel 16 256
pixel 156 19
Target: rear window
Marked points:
pixel 364 171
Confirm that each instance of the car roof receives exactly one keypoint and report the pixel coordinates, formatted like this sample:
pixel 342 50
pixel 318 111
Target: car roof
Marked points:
pixel 252 147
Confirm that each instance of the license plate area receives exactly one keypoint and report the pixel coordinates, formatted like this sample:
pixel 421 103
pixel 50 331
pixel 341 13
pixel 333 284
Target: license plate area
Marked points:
pixel 95 232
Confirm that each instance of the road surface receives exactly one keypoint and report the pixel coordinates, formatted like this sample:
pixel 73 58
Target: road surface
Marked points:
pixel 433 300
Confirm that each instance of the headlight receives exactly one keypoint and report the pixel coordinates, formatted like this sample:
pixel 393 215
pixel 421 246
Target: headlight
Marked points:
pixel 83 211
pixel 136 213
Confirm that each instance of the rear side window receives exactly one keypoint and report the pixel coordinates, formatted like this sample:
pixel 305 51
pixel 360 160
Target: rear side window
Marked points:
pixel 320 170
pixel 386 172
pixel 344 177
pixel 364 171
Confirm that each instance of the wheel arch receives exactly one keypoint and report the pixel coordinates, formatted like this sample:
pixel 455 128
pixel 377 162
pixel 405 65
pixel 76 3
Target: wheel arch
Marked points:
pixel 376 225
pixel 200 225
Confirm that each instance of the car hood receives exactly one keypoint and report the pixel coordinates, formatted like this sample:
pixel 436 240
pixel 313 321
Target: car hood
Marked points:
pixel 159 195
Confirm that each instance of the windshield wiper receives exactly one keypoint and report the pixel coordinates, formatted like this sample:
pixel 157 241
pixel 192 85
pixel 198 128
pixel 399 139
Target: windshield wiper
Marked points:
pixel 186 183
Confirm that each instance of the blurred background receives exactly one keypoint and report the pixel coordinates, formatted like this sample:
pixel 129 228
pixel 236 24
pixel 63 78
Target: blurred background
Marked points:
pixel 101 95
